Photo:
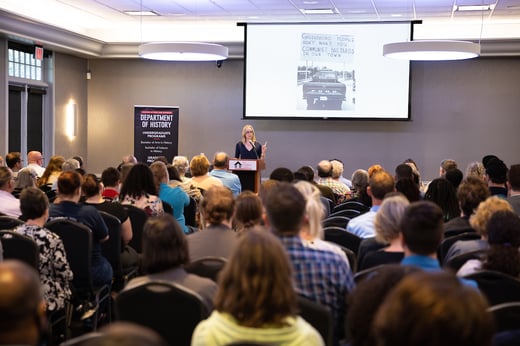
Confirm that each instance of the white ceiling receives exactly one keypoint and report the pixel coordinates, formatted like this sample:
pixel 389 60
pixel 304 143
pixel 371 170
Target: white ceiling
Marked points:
pixel 215 20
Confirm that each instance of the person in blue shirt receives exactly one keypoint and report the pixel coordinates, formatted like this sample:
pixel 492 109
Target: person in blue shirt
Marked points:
pixel 422 228
pixel 230 180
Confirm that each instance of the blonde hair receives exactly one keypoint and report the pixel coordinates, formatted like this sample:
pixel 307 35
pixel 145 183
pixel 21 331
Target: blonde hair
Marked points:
pixel 314 210
pixel 476 169
pixel 160 172
pixel 485 210
pixel 181 164
pixel 388 218
pixel 244 129
pixel 199 165
pixel 337 169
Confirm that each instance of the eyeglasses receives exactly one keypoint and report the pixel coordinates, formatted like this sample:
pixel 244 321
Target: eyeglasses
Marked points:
pixel 249 131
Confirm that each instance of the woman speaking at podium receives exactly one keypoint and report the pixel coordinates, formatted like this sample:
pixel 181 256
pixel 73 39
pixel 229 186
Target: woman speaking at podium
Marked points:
pixel 249 148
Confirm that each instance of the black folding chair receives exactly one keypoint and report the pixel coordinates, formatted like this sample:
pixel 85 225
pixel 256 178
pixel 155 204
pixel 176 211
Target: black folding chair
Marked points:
pixel 507 316
pixel 89 300
pixel 336 221
pixel 170 309
pixel 20 247
pixel 8 222
pixel 208 267
pixel 138 218
pixel 341 237
pixel 111 250
pixel 497 287
pixel 317 316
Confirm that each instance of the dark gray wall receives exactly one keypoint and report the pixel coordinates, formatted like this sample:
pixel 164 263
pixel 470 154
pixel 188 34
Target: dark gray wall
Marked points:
pixel 461 110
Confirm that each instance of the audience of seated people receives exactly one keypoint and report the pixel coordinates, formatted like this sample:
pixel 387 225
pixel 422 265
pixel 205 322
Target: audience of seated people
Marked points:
pixel 256 302
pixel 478 222
pixel 502 254
pixel 294 212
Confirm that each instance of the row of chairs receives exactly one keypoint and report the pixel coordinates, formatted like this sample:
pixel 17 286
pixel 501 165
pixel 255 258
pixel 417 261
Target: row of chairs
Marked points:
pixel 174 311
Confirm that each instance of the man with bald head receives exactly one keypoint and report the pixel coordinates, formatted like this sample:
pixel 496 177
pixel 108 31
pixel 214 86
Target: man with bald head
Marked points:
pixel 22 308
pixel 230 180
pixel 340 190
pixel 35 161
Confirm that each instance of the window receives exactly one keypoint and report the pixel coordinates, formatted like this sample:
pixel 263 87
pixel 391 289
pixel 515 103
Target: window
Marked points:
pixel 23 64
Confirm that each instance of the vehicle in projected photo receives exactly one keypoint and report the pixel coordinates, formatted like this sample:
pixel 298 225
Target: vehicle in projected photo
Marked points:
pixel 324 91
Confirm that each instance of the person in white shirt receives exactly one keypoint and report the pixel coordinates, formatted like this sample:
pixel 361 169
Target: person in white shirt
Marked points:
pixel 35 161
pixel 9 204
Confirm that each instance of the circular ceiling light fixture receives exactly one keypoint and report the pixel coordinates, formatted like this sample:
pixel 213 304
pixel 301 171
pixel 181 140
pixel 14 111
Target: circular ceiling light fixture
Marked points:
pixel 183 51
pixel 433 50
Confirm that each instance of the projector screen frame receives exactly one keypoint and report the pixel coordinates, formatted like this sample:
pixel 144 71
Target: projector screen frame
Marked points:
pixel 321 114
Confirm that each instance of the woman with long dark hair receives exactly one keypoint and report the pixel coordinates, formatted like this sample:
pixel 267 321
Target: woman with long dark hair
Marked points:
pixel 139 190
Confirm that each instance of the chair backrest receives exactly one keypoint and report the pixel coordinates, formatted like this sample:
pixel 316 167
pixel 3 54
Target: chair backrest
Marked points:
pixel 367 246
pixel 111 249
pixel 168 209
pixel 454 232
pixel 319 317
pixel 168 308
pixel 328 204
pixel 190 212
pixel 20 247
pixel 350 213
pixel 351 205
pixel 497 287
pixel 456 262
pixel 8 222
pixel 85 339
pixel 341 237
pixel 208 267
pixel 448 242
pixel 77 240
pixel 337 221
pixel 138 218
pixel 351 256
pixel 507 316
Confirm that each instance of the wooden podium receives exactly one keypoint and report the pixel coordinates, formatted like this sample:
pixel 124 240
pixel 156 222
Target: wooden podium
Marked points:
pixel 249 172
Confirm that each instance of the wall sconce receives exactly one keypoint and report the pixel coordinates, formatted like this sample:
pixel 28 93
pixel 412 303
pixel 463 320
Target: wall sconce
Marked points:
pixel 71 120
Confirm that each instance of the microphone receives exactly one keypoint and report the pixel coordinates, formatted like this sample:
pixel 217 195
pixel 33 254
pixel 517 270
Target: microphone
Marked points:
pixel 254 148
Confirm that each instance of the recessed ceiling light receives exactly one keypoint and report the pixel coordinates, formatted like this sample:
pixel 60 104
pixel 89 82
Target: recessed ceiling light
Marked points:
pixel 141 13
pixel 474 7
pixel 310 2
pixel 318 11
pixel 396 15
